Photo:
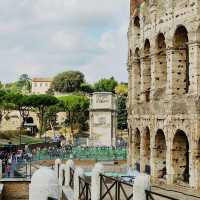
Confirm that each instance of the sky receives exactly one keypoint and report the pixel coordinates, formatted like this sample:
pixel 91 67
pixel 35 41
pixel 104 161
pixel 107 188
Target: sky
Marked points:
pixel 45 37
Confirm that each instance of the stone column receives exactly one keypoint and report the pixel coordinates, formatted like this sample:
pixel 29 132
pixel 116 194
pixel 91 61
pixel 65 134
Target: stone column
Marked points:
pixel 171 61
pixel 152 161
pixel 142 154
pixel 57 167
pixel 79 172
pixel 192 163
pixel 95 185
pixel 145 77
pixel 169 164
pixel 194 68
pixel 69 164
pixel 136 80
pixel 130 97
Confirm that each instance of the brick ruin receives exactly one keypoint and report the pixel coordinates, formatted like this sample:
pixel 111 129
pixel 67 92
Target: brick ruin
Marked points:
pixel 164 90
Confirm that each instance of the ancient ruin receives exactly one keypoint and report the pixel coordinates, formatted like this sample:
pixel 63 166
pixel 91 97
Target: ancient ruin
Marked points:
pixel 164 90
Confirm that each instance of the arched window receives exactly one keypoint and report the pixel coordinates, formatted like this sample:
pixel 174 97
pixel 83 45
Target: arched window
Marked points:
pixel 147 71
pixel 160 66
pixel 181 66
pixel 181 157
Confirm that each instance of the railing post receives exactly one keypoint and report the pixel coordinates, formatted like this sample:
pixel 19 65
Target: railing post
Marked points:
pixel 69 164
pixel 141 184
pixel 96 187
pixel 78 173
pixel 57 166
pixel 61 178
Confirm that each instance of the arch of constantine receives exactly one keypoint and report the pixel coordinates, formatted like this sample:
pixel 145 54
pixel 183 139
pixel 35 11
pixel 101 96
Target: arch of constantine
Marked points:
pixel 164 90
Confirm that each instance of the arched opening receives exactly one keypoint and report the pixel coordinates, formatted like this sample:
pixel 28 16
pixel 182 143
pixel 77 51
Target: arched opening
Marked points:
pixel 181 55
pixel 160 150
pixel 137 139
pixel 147 71
pixel 137 22
pixel 136 25
pixel 147 150
pixel 160 66
pixel 137 75
pixel 29 120
pixel 181 157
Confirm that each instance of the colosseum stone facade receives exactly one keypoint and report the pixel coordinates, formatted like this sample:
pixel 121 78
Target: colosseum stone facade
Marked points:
pixel 164 90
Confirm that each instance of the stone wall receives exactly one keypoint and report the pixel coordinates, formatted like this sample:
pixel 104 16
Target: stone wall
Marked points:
pixel 164 76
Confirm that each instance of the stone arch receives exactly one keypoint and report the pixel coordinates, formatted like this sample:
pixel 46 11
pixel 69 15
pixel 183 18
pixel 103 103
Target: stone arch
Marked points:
pixel 146 71
pixel 160 151
pixel 180 157
pixel 160 65
pixel 181 56
pixel 146 150
pixel 137 141
pixel 30 120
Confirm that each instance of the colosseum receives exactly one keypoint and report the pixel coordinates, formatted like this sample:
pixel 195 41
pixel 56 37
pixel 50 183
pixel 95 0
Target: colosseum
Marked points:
pixel 164 90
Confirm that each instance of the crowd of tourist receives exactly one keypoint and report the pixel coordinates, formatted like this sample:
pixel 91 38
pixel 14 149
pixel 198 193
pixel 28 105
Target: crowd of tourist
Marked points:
pixel 10 159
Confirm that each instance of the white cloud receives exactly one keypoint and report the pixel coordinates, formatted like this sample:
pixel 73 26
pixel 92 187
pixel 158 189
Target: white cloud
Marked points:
pixel 45 37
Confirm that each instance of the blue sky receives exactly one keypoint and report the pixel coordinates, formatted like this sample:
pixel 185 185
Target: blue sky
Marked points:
pixel 46 37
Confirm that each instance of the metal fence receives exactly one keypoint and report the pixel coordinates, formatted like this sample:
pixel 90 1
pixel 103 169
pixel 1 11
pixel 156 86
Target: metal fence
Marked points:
pixel 20 169
pixel 82 153
pixel 156 196
pixel 114 189
pixel 84 189
pixel 71 181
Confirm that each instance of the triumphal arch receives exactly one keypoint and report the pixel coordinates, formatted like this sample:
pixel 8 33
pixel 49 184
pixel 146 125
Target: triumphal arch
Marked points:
pixel 164 90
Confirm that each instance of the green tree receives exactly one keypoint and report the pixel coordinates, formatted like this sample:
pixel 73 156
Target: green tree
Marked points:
pixel 20 103
pixel 1 85
pixel 106 85
pixel 24 82
pixel 5 105
pixel 69 81
pixel 41 103
pixel 121 89
pixel 51 117
pixel 121 112
pixel 76 108
pixel 87 88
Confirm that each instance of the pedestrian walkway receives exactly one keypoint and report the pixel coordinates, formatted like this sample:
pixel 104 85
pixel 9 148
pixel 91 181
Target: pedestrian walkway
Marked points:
pixel 178 192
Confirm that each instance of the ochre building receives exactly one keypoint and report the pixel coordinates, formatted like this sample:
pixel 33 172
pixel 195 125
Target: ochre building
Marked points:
pixel 164 90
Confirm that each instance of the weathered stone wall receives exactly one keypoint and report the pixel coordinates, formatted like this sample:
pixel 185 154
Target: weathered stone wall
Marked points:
pixel 164 77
